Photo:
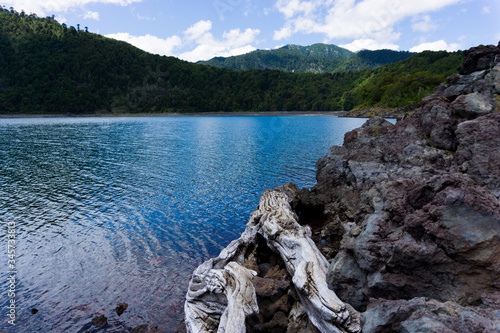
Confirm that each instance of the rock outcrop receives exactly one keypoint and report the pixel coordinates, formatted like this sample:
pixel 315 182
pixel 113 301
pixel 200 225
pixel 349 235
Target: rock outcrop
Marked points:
pixel 408 216
pixel 384 112
pixel 419 203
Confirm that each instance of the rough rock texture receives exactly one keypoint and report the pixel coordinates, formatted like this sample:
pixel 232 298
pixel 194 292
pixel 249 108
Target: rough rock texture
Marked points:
pixel 479 58
pixel 421 315
pixel 417 205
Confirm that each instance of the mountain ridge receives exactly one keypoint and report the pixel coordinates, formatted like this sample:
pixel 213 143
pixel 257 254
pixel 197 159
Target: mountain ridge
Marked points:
pixel 315 58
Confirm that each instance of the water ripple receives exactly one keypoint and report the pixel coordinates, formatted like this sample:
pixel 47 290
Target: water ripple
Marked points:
pixel 113 210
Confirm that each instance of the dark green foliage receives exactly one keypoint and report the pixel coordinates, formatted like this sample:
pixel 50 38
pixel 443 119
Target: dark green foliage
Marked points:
pixel 47 67
pixel 317 58
pixel 52 68
pixel 406 82
pixel 320 51
pixel 282 59
pixel 367 59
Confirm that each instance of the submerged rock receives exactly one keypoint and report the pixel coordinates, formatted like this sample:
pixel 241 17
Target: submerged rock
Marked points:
pixel 120 308
pixel 152 328
pixel 99 321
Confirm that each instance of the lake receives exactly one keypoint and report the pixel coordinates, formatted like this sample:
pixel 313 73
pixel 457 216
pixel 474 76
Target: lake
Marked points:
pixel 122 210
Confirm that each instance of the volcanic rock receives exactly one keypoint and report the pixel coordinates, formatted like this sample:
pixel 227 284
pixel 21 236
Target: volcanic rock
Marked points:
pixel 99 321
pixel 420 204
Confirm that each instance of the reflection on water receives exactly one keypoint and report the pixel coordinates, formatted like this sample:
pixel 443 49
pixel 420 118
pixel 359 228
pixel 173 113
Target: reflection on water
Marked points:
pixel 121 210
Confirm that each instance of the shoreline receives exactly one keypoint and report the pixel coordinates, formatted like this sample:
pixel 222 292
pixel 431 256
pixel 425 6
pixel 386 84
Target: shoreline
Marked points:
pixel 194 114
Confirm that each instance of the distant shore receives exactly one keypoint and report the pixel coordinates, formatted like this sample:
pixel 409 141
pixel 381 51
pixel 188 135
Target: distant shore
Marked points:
pixel 196 114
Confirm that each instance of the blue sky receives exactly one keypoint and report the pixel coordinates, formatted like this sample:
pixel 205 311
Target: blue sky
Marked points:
pixel 199 30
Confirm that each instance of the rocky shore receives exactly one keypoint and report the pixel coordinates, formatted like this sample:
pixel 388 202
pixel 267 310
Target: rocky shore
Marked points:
pixel 405 216
pixel 394 113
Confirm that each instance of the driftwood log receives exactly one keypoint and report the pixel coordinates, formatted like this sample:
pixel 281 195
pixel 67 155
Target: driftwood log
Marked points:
pixel 221 294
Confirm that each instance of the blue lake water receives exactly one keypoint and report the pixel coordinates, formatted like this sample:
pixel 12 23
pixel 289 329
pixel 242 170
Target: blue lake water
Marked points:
pixel 121 210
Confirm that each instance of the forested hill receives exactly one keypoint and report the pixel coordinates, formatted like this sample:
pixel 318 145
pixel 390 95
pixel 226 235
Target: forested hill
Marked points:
pixel 317 58
pixel 47 67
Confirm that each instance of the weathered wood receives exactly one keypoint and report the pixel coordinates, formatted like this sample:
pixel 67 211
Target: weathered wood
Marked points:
pixel 221 293
pixel 220 299
pixel 306 265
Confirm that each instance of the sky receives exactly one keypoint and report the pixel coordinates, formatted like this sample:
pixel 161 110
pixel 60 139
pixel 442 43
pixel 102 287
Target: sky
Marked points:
pixel 196 30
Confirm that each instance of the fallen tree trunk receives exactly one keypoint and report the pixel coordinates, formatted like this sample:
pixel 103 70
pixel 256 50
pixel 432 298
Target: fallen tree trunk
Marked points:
pixel 221 294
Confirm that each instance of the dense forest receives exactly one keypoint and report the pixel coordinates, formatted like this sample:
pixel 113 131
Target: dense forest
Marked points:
pixel 48 67
pixel 317 58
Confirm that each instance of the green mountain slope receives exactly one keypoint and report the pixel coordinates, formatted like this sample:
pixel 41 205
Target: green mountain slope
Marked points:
pixel 366 59
pixel 291 58
pixel 317 58
pixel 47 67
pixel 320 51
pixel 404 82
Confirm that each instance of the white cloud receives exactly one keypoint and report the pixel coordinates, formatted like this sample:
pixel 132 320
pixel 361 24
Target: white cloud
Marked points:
pixel 439 45
pixel 50 6
pixel 199 39
pixel 234 42
pixel 351 19
pixel 291 7
pixel 198 30
pixel 206 52
pixel 369 44
pixel 283 33
pixel 423 24
pixel 486 10
pixel 150 43
pixel 91 15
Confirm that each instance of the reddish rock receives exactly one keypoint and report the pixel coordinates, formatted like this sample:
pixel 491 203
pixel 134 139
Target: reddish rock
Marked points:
pixel 479 58
pixel 265 287
pixel 478 154
pixel 278 323
pixel 277 273
pixel 411 213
